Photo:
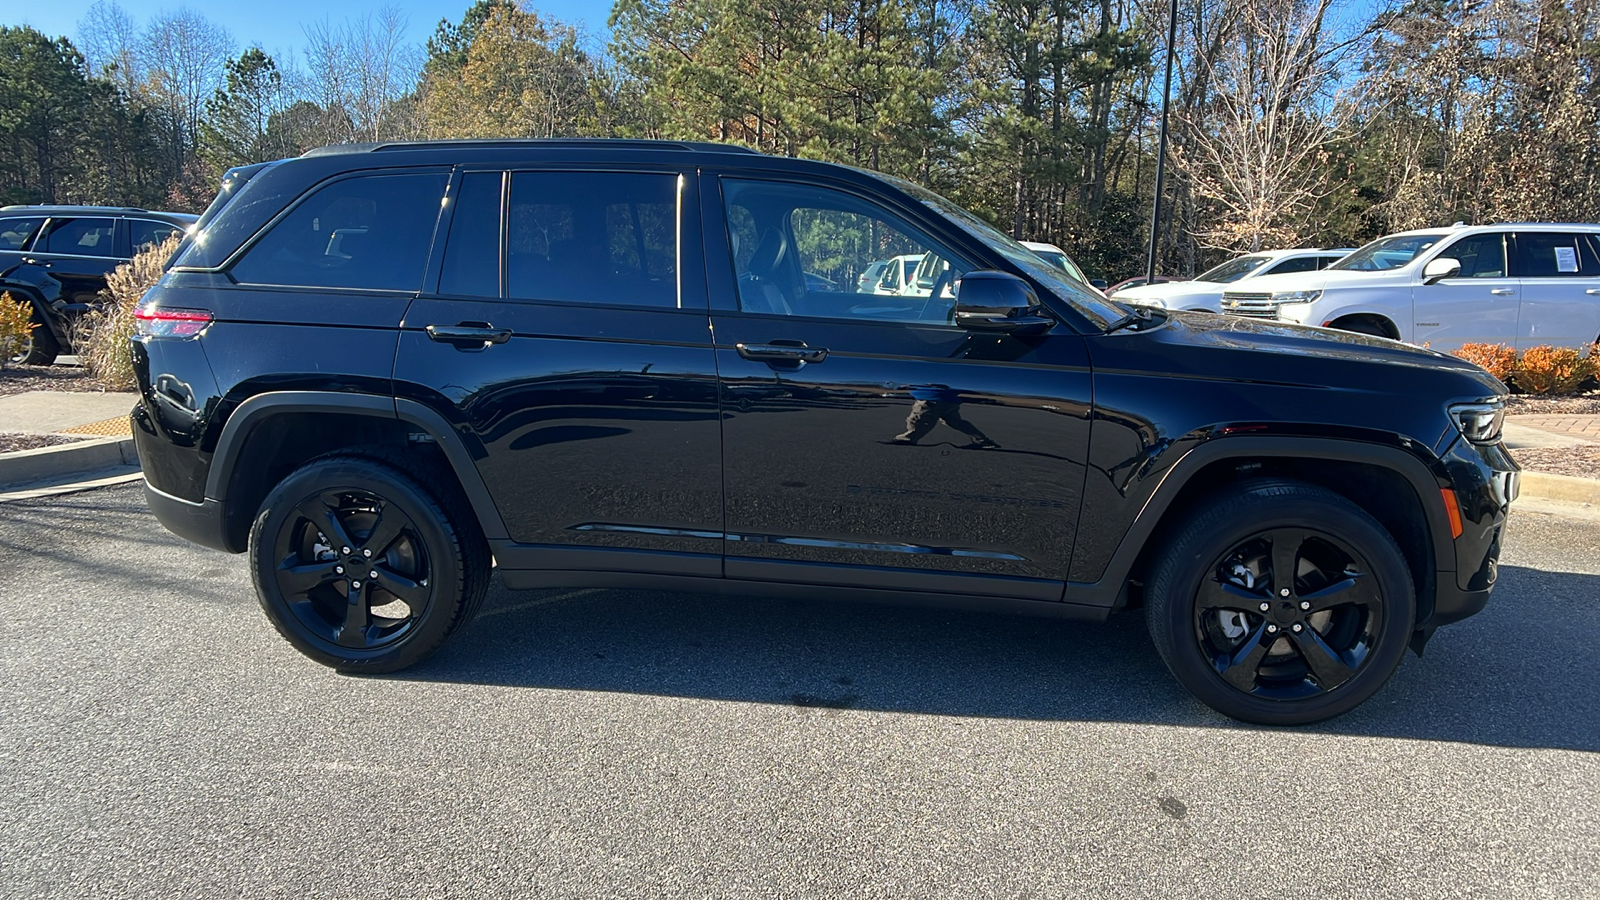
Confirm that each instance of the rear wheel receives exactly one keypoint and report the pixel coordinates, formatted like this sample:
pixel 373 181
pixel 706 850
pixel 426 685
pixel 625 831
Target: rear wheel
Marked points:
pixel 362 569
pixel 39 348
pixel 1281 603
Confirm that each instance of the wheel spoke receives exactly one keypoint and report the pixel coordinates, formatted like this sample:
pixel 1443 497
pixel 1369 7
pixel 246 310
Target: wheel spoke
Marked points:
pixel 1326 666
pixel 1355 588
pixel 324 516
pixel 1216 594
pixel 1285 560
pixel 297 579
pixel 384 531
pixel 353 633
pixel 411 592
pixel 1239 668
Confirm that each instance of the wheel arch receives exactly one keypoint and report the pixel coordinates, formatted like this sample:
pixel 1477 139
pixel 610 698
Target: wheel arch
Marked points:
pixel 1373 476
pixel 1379 320
pixel 300 425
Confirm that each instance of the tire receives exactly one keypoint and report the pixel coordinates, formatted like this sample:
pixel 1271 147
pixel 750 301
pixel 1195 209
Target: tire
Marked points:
pixel 432 563
pixel 1363 326
pixel 40 349
pixel 1318 651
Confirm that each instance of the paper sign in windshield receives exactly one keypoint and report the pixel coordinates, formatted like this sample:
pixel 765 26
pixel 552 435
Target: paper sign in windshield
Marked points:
pixel 1566 259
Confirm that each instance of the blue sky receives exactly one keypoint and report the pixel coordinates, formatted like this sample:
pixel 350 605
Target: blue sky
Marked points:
pixel 277 25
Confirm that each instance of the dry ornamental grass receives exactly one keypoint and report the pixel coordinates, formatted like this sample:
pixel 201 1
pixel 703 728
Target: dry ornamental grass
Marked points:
pixel 105 349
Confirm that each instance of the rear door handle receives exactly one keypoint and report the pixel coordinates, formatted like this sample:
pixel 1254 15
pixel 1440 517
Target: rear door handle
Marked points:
pixel 1502 292
pixel 782 352
pixel 469 333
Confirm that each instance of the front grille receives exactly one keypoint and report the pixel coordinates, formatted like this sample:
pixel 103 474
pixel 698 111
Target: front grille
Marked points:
pixel 1256 306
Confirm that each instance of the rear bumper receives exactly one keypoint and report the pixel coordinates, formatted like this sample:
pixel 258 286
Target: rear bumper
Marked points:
pixel 201 522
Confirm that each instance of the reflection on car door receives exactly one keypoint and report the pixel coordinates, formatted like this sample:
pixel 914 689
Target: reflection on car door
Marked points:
pixel 1560 275
pixel 1480 305
pixel 874 443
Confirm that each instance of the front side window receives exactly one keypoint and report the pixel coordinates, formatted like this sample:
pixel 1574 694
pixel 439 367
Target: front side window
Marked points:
pixel 1481 255
pixel 1549 254
pixel 371 232
pixel 143 233
pixel 593 237
pixel 805 250
pixel 81 237
pixel 15 233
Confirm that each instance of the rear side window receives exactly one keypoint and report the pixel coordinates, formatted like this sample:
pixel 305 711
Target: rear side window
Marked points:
pixel 371 232
pixel 1554 254
pixel 15 233
pixel 593 237
pixel 472 251
pixel 80 237
pixel 143 233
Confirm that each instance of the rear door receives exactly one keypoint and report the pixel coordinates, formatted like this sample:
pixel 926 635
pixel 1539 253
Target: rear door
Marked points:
pixel 1560 274
pixel 565 337
pixel 1479 305
pixel 78 251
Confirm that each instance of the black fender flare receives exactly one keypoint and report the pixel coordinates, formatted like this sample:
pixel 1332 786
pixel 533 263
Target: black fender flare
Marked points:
pixel 260 408
pixel 1108 590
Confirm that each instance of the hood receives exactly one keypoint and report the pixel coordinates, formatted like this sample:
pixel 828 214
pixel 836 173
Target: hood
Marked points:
pixel 1302 281
pixel 1169 290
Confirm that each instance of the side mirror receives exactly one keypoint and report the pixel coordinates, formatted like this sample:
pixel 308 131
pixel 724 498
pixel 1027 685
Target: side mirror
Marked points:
pixel 1099 284
pixel 1439 269
pixel 997 301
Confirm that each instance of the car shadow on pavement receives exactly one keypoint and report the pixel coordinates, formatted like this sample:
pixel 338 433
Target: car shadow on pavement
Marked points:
pixel 1521 674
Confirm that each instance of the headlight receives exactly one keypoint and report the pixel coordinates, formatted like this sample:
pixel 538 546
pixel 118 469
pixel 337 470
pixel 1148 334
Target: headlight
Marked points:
pixel 1156 302
pixel 1295 296
pixel 1479 422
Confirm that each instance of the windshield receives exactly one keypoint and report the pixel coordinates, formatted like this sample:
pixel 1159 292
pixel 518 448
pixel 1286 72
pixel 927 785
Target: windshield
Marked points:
pixel 1064 263
pixel 1085 300
pixel 1387 253
pixel 1233 269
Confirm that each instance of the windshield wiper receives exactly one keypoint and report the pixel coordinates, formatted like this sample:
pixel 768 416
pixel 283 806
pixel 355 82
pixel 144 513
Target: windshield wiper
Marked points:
pixel 1137 316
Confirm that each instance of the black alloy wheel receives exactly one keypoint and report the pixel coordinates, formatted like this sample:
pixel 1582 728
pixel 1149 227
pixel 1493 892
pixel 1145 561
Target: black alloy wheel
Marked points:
pixel 361 569
pixel 1281 603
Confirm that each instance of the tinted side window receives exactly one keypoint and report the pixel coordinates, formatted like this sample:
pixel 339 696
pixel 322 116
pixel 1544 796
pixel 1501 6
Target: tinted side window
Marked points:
pixel 593 237
pixel 472 252
pixel 1481 255
pixel 1299 264
pixel 371 232
pixel 15 233
pixel 82 237
pixel 1547 254
pixel 142 233
pixel 1325 261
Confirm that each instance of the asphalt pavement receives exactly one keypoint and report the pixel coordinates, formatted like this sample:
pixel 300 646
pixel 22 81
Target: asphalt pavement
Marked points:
pixel 159 740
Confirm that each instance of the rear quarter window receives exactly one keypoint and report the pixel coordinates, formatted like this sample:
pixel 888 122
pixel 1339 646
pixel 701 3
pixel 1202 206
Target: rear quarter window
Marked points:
pixel 369 232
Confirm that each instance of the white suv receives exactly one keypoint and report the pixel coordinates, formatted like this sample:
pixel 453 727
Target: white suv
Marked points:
pixel 1205 290
pixel 1520 285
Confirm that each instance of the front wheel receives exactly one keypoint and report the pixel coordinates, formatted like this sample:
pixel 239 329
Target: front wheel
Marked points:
pixel 39 348
pixel 1281 603
pixel 362 569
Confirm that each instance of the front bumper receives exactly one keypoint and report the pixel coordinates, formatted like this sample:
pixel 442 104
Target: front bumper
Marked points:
pixel 1485 480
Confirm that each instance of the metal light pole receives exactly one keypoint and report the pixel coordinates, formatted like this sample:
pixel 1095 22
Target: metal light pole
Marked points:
pixel 1161 154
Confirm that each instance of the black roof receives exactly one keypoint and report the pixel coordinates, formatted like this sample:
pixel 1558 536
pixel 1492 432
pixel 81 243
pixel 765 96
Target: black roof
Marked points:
pixel 49 209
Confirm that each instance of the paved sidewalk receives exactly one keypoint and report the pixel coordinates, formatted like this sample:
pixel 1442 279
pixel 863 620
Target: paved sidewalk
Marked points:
pixel 67 412
pixel 1583 428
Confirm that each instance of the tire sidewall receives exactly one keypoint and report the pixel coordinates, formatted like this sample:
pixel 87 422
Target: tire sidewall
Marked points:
pixel 440 546
pixel 1203 543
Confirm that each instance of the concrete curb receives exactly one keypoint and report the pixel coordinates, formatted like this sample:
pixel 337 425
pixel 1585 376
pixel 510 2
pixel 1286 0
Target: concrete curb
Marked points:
pixel 45 463
pixel 1566 488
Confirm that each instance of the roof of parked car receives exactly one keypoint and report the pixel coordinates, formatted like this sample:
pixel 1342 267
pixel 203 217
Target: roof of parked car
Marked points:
pixel 60 209
pixel 531 143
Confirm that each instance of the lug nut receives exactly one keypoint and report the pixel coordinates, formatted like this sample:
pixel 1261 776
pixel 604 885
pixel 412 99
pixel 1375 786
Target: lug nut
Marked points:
pixel 356 585
pixel 338 570
pixel 367 553
pixel 1297 628
pixel 1305 604
pixel 1272 629
pixel 1266 606
pixel 373 574
pixel 345 551
pixel 1283 593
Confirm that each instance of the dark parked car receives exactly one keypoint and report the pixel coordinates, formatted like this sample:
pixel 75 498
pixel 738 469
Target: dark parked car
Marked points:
pixel 57 258
pixel 601 363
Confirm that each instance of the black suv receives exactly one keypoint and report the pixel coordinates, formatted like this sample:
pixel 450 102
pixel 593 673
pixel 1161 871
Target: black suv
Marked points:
pixel 56 258
pixel 383 370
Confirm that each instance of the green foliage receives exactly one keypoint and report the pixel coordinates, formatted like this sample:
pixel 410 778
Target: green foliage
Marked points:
pixel 242 125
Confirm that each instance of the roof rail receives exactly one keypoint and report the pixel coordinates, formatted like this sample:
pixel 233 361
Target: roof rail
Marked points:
pixel 516 143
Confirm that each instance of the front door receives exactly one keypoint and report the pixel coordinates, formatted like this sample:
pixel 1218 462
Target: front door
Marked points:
pixel 867 440
pixel 570 347
pixel 78 251
pixel 1477 306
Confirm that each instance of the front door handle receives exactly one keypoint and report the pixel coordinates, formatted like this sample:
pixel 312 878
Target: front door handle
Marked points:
pixel 1502 292
pixel 481 333
pixel 1593 292
pixel 782 352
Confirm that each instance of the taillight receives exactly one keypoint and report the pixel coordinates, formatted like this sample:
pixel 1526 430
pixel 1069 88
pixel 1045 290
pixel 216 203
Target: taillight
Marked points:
pixel 162 321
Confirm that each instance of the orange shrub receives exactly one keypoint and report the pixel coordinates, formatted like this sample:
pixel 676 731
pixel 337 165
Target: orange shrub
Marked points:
pixel 1553 370
pixel 1498 359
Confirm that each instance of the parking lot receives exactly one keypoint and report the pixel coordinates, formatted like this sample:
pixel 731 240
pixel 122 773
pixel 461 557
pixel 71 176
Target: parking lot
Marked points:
pixel 160 740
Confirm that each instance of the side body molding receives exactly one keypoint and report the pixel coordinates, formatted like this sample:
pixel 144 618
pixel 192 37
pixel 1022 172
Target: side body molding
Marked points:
pixel 1413 468
pixel 261 408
